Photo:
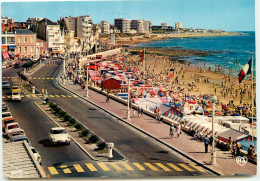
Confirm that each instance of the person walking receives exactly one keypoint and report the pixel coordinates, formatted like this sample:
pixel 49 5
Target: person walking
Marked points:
pixel 133 116
pixel 178 130
pixel 233 149
pixel 139 111
pixel 172 130
pixel 206 143
pixel 142 112
pixel 107 100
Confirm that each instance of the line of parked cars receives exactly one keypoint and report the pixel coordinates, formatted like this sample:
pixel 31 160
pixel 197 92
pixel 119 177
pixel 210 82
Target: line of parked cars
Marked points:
pixel 13 132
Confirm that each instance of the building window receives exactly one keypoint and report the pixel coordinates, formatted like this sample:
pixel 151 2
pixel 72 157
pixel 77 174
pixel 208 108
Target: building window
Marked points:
pixel 37 49
pixel 31 49
pixel 31 39
pixel 19 40
pixel 25 39
pixel 20 49
pixel 25 49
pixel 3 40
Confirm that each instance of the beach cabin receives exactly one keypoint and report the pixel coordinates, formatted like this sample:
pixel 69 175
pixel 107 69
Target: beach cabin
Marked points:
pixel 111 84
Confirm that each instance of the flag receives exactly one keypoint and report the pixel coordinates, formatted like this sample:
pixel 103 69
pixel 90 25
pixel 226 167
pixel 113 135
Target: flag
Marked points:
pixel 142 56
pixel 245 71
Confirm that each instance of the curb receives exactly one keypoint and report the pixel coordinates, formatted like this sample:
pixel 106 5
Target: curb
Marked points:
pixel 178 151
pixel 78 144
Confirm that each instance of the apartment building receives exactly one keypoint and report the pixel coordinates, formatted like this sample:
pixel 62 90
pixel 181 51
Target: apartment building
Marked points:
pixel 105 27
pixel 25 41
pixel 124 25
pixel 164 26
pixel 178 25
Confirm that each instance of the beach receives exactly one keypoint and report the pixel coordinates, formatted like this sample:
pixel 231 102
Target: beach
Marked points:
pixel 194 79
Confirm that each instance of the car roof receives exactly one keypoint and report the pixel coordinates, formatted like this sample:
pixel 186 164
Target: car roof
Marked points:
pixel 8 118
pixel 57 128
pixel 17 129
pixel 20 136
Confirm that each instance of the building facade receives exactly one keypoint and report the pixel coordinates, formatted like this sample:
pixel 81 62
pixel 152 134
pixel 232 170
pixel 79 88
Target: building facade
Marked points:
pixel 123 25
pixel 8 42
pixel 164 25
pixel 147 26
pixel 26 44
pixel 83 32
pixel 178 25
pixel 105 27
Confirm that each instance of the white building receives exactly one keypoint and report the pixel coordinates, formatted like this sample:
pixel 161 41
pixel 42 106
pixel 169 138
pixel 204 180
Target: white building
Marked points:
pixel 105 27
pixel 178 25
pixel 147 26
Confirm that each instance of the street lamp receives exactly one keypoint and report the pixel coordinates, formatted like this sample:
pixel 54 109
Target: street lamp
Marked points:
pixel 213 100
pixel 128 96
pixel 64 70
pixel 87 81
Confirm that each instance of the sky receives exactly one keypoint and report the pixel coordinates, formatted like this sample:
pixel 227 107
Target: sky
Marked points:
pixel 228 15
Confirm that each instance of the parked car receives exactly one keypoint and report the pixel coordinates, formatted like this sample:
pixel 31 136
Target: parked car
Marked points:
pixel 5 84
pixel 6 115
pixel 37 155
pixel 6 121
pixel 16 132
pixel 21 138
pixel 59 135
pixel 17 65
pixel 4 107
pixel 10 127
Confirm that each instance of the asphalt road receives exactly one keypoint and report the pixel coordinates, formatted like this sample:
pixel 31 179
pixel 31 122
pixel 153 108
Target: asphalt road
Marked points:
pixel 134 145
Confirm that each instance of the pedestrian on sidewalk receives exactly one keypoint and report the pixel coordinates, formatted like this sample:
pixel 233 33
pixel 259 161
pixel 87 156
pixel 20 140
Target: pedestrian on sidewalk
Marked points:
pixel 139 112
pixel 142 112
pixel 178 130
pixel 133 116
pixel 107 100
pixel 172 130
pixel 233 149
pixel 206 143
pixel 159 115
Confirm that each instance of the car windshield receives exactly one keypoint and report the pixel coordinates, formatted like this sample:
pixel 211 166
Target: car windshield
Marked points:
pixel 34 151
pixel 6 115
pixel 60 131
pixel 13 126
pixel 15 87
pixel 15 93
pixel 21 139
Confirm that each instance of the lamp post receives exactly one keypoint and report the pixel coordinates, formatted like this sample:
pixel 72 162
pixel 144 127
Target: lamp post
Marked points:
pixel 128 97
pixel 64 70
pixel 213 100
pixel 87 81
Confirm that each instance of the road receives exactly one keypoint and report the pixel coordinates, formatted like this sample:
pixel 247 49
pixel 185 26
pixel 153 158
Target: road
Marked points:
pixel 145 156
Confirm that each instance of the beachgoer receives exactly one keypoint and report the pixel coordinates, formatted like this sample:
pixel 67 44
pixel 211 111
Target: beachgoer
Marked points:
pixel 172 130
pixel 206 143
pixel 139 111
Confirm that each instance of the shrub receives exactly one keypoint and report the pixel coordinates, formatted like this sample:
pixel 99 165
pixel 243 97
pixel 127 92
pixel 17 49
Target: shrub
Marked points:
pixel 93 139
pixel 102 145
pixel 61 113
pixel 53 106
pixel 72 120
pixel 57 109
pixel 66 117
pixel 77 126
pixel 85 133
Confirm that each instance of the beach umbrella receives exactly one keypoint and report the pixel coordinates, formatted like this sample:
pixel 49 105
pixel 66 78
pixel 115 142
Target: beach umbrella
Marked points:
pixel 170 74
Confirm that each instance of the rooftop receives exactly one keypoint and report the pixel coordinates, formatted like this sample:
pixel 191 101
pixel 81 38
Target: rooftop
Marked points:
pixel 24 31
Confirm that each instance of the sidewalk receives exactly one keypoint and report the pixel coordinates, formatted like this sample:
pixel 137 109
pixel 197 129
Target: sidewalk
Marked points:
pixel 226 165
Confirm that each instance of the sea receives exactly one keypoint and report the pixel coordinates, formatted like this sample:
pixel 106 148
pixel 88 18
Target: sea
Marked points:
pixel 234 51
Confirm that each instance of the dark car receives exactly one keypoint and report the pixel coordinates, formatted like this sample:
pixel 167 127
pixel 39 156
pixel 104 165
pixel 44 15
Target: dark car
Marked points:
pixel 16 65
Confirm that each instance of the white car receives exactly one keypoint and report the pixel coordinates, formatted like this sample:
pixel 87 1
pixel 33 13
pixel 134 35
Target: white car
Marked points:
pixel 16 132
pixel 37 155
pixel 59 135
pixel 11 127
pixel 6 115
pixel 5 84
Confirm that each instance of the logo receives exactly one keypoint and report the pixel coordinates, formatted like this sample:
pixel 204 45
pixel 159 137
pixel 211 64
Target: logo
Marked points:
pixel 241 160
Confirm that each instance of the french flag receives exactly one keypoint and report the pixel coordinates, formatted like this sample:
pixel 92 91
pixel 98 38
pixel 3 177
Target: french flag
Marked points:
pixel 245 71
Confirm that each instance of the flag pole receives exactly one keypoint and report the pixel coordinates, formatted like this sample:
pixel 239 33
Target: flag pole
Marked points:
pixel 252 80
pixel 144 61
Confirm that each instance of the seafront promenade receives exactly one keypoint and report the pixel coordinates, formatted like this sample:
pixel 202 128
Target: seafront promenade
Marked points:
pixel 226 165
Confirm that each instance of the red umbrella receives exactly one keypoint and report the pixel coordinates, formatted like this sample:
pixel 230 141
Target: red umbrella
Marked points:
pixel 153 93
pixel 170 74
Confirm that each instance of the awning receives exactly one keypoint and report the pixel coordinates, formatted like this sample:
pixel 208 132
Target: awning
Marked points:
pixel 11 46
pixel 4 47
pixel 5 54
